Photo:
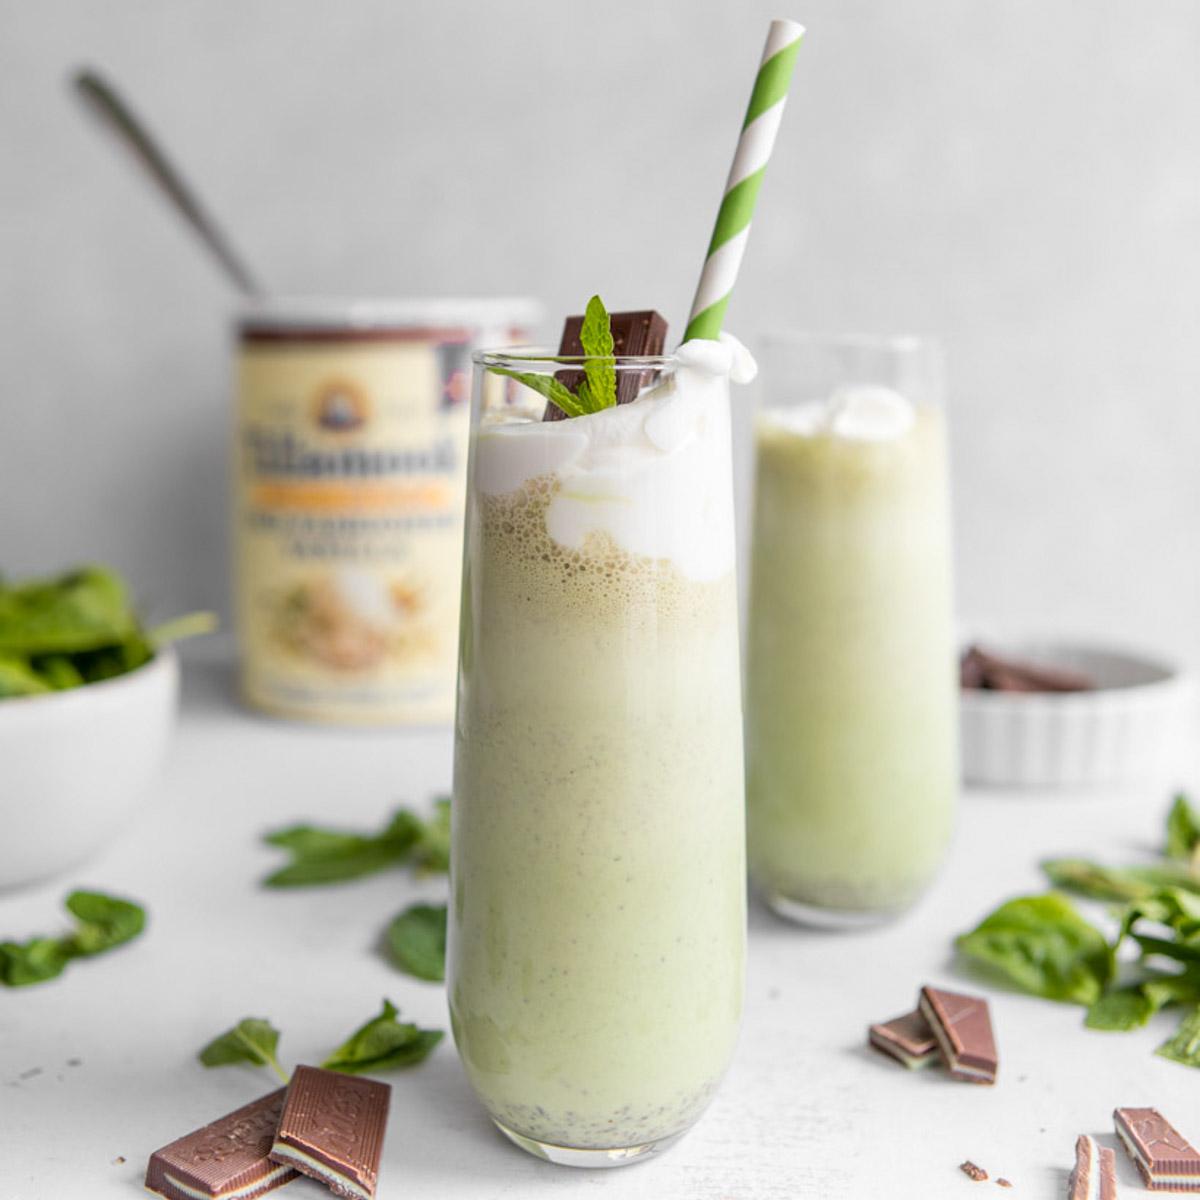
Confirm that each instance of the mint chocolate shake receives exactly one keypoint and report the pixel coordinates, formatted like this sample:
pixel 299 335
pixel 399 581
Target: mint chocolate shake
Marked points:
pixel 851 696
pixel 597 871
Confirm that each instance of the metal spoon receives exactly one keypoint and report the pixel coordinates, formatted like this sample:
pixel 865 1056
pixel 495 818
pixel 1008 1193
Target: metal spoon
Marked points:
pixel 104 102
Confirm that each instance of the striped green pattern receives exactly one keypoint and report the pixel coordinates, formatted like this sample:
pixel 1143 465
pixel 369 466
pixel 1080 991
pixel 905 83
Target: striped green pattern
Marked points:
pixel 737 206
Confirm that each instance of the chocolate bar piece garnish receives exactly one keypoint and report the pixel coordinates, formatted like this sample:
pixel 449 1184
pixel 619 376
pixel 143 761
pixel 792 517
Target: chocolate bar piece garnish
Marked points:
pixel 1095 1173
pixel 226 1160
pixel 908 1039
pixel 332 1129
pixel 963 1028
pixel 634 333
pixel 1165 1158
pixel 982 670
pixel 971 1171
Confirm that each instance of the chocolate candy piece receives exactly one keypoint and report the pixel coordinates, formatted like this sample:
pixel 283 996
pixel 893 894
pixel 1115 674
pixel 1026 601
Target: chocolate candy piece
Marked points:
pixel 332 1129
pixel 1095 1173
pixel 908 1039
pixel 634 333
pixel 226 1160
pixel 1167 1161
pixel 982 670
pixel 963 1028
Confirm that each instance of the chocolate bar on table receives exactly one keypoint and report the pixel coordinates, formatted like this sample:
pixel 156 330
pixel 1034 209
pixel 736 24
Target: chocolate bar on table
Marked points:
pixel 963 1028
pixel 226 1160
pixel 1166 1159
pixel 332 1129
pixel 1095 1173
pixel 634 333
pixel 907 1039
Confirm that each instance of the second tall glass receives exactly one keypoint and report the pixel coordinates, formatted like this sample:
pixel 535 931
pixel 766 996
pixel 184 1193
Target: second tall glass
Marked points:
pixel 851 698
pixel 597 916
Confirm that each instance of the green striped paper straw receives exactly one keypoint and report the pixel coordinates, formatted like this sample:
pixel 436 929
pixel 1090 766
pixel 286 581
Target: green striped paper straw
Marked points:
pixel 754 147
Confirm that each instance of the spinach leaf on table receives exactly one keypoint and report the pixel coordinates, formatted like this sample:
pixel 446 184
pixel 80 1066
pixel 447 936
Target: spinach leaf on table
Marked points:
pixel 1043 945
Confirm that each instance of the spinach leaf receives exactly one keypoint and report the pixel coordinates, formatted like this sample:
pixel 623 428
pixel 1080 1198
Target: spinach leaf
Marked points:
pixel 1121 884
pixel 1184 1046
pixel 1122 1008
pixel 1183 831
pixel 1041 944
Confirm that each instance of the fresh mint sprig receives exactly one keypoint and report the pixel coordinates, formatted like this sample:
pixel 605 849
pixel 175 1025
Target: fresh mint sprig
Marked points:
pixel 598 389
pixel 382 1044
pixel 252 1040
pixel 101 923
pixel 321 855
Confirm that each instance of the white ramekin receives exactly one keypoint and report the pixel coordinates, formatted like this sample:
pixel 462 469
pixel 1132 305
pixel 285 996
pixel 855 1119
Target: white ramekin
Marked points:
pixel 1133 726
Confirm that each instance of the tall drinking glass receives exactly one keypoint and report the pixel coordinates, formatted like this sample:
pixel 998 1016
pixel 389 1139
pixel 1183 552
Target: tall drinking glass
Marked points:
pixel 597 919
pixel 851 735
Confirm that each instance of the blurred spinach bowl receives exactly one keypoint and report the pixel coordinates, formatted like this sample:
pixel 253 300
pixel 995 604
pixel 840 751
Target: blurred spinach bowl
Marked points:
pixel 87 703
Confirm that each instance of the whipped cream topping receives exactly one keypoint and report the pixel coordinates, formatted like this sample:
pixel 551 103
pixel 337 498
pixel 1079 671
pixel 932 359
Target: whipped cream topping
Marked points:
pixel 654 474
pixel 859 412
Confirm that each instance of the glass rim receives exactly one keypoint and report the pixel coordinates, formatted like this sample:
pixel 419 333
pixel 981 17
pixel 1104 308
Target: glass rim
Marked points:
pixel 531 357
pixel 855 339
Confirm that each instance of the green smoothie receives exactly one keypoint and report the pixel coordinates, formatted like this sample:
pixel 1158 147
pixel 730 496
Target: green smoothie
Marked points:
pixel 598 866
pixel 851 734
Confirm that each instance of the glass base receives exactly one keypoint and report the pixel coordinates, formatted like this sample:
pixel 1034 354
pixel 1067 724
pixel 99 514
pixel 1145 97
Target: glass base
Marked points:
pixel 818 917
pixel 576 1156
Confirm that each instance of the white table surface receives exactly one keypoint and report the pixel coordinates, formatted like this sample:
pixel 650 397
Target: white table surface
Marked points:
pixel 807 1109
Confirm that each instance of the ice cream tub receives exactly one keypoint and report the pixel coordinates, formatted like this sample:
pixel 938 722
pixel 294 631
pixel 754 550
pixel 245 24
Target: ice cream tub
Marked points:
pixel 349 474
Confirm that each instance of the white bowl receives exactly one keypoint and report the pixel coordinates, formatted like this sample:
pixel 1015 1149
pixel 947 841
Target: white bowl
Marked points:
pixel 1132 727
pixel 75 765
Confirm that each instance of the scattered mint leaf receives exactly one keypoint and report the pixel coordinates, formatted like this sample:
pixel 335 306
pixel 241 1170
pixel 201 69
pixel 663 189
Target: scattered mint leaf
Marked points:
pixel 1120 884
pixel 383 1044
pixel 34 961
pixel 432 851
pixel 1184 1047
pixel 1041 944
pixel 102 922
pixel 1183 831
pixel 548 387
pixel 416 941
pixel 331 856
pixel 252 1040
pixel 595 336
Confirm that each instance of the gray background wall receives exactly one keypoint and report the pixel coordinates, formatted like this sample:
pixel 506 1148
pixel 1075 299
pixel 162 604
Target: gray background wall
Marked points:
pixel 1020 177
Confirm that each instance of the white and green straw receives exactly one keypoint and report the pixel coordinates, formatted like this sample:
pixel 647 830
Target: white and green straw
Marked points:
pixel 754 148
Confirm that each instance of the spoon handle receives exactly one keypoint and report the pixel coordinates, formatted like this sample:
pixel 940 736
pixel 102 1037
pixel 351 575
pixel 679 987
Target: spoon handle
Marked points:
pixel 106 104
